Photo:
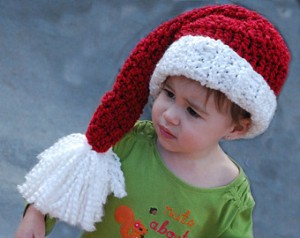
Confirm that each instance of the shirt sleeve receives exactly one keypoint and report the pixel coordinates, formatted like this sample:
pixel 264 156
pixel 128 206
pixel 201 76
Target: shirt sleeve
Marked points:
pixel 49 223
pixel 241 226
pixel 141 131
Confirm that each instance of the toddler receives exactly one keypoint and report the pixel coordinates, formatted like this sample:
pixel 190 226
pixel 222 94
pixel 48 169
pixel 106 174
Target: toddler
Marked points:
pixel 214 74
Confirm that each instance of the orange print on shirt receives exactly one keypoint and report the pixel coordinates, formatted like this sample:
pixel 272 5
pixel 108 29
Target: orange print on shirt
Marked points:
pixel 130 228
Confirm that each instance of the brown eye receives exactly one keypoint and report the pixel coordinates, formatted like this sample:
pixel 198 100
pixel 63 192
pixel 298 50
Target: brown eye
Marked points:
pixel 169 94
pixel 192 112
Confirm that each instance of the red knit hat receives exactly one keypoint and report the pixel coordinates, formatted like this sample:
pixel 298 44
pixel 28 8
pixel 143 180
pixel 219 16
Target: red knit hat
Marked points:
pixel 245 33
pixel 227 48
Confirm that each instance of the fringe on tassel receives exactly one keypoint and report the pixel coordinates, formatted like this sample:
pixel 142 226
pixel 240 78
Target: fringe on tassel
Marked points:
pixel 71 182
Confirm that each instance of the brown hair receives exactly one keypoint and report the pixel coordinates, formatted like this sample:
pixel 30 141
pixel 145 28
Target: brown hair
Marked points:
pixel 223 104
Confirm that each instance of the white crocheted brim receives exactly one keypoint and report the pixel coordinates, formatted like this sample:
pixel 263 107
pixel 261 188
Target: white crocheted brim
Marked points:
pixel 217 66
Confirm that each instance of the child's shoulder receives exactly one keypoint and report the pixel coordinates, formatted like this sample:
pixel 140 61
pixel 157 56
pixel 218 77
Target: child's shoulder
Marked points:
pixel 140 135
pixel 240 189
pixel 226 173
pixel 143 128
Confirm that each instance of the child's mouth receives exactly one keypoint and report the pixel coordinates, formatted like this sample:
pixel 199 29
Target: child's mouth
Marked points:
pixel 166 133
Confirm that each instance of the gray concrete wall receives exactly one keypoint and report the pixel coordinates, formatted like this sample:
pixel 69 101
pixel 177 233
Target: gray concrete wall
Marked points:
pixel 57 58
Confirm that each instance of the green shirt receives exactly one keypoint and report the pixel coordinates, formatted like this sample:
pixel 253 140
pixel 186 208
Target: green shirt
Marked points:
pixel 159 204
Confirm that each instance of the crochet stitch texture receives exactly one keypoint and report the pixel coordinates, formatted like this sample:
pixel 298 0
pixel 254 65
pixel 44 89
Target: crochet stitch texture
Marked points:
pixel 249 34
pixel 217 66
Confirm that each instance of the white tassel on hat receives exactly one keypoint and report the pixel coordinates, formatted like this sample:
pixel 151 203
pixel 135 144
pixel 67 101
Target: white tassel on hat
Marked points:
pixel 76 181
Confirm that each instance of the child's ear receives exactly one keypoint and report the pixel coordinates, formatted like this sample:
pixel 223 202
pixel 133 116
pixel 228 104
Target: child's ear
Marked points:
pixel 239 130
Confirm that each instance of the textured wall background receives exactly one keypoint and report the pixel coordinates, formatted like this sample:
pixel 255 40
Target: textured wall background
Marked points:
pixel 58 57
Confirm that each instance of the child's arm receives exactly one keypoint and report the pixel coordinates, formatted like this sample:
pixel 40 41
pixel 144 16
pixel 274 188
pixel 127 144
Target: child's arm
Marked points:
pixel 32 224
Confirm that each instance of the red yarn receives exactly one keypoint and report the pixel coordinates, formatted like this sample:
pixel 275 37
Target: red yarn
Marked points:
pixel 246 32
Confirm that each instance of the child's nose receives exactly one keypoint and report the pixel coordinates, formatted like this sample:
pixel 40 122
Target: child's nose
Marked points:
pixel 171 115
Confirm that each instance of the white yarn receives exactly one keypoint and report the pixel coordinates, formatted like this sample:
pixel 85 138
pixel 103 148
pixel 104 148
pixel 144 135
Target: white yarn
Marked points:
pixel 217 66
pixel 71 182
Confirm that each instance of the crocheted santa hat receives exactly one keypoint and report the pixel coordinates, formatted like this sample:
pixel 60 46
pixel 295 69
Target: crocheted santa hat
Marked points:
pixel 227 48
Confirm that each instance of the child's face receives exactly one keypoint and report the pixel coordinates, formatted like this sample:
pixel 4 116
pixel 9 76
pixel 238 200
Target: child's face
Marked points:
pixel 184 121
